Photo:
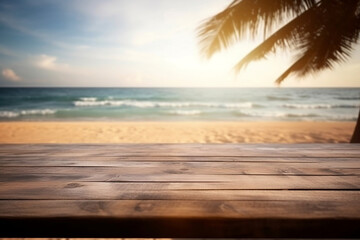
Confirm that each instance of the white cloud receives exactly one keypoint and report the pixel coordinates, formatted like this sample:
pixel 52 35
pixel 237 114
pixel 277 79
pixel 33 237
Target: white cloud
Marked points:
pixel 10 75
pixel 50 63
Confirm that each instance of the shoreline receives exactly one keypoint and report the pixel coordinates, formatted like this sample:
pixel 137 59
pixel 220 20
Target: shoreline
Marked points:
pixel 174 132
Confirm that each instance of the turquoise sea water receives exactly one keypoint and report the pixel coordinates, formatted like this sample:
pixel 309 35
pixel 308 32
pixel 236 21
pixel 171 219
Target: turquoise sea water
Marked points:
pixel 179 104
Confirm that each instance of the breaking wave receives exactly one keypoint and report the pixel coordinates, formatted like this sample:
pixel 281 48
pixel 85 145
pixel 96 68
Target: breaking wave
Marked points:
pixel 89 99
pixel 92 102
pixel 8 114
pixel 14 114
pixel 186 112
pixel 314 106
pixel 276 114
pixel 302 116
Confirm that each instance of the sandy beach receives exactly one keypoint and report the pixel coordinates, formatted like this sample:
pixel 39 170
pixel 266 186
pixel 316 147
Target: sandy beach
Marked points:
pixel 176 132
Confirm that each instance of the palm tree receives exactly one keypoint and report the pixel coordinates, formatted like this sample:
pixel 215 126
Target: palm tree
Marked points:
pixel 321 32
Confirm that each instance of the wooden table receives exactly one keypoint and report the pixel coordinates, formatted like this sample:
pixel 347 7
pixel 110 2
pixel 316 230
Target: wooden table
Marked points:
pixel 180 190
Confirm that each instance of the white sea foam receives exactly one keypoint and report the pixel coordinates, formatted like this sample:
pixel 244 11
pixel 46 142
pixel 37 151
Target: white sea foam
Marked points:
pixel 302 116
pixel 276 114
pixel 8 114
pixel 238 105
pixel 342 118
pixel 186 112
pixel 151 104
pixel 89 99
pixel 37 112
pixel 314 106
pixel 91 103
pixel 14 114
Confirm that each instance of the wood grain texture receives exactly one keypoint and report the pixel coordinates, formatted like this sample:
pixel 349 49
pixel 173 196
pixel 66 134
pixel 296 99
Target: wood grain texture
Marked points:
pixel 186 169
pixel 164 218
pixel 180 190
pixel 248 209
pixel 134 160
pixel 273 150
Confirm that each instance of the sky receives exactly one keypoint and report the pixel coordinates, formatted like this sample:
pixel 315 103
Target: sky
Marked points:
pixel 138 43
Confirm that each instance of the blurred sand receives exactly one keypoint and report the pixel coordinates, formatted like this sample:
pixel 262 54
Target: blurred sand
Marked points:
pixel 175 132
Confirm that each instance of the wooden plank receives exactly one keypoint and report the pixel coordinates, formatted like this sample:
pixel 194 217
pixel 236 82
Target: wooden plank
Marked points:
pixel 220 153
pixel 180 145
pixel 26 190
pixel 123 161
pixel 112 176
pixel 275 150
pixel 149 218
pixel 297 189
pixel 311 209
pixel 180 190
pixel 194 169
pixel 248 182
pixel 122 146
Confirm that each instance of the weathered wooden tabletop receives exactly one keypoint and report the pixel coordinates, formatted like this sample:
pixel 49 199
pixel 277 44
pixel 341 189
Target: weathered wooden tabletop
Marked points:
pixel 180 190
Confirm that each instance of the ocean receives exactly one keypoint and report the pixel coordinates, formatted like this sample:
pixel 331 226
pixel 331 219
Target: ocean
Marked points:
pixel 179 104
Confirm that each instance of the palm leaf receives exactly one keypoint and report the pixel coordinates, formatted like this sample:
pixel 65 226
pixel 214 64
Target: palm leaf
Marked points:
pixel 326 41
pixel 285 37
pixel 242 18
pixel 323 32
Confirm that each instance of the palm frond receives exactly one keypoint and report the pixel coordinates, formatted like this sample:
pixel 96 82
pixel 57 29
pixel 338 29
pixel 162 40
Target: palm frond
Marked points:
pixel 243 18
pixel 322 31
pixel 286 36
pixel 299 66
pixel 327 41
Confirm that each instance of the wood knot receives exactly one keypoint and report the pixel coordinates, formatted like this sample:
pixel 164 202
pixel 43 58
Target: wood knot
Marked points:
pixel 93 207
pixel 227 208
pixel 73 185
pixel 142 207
